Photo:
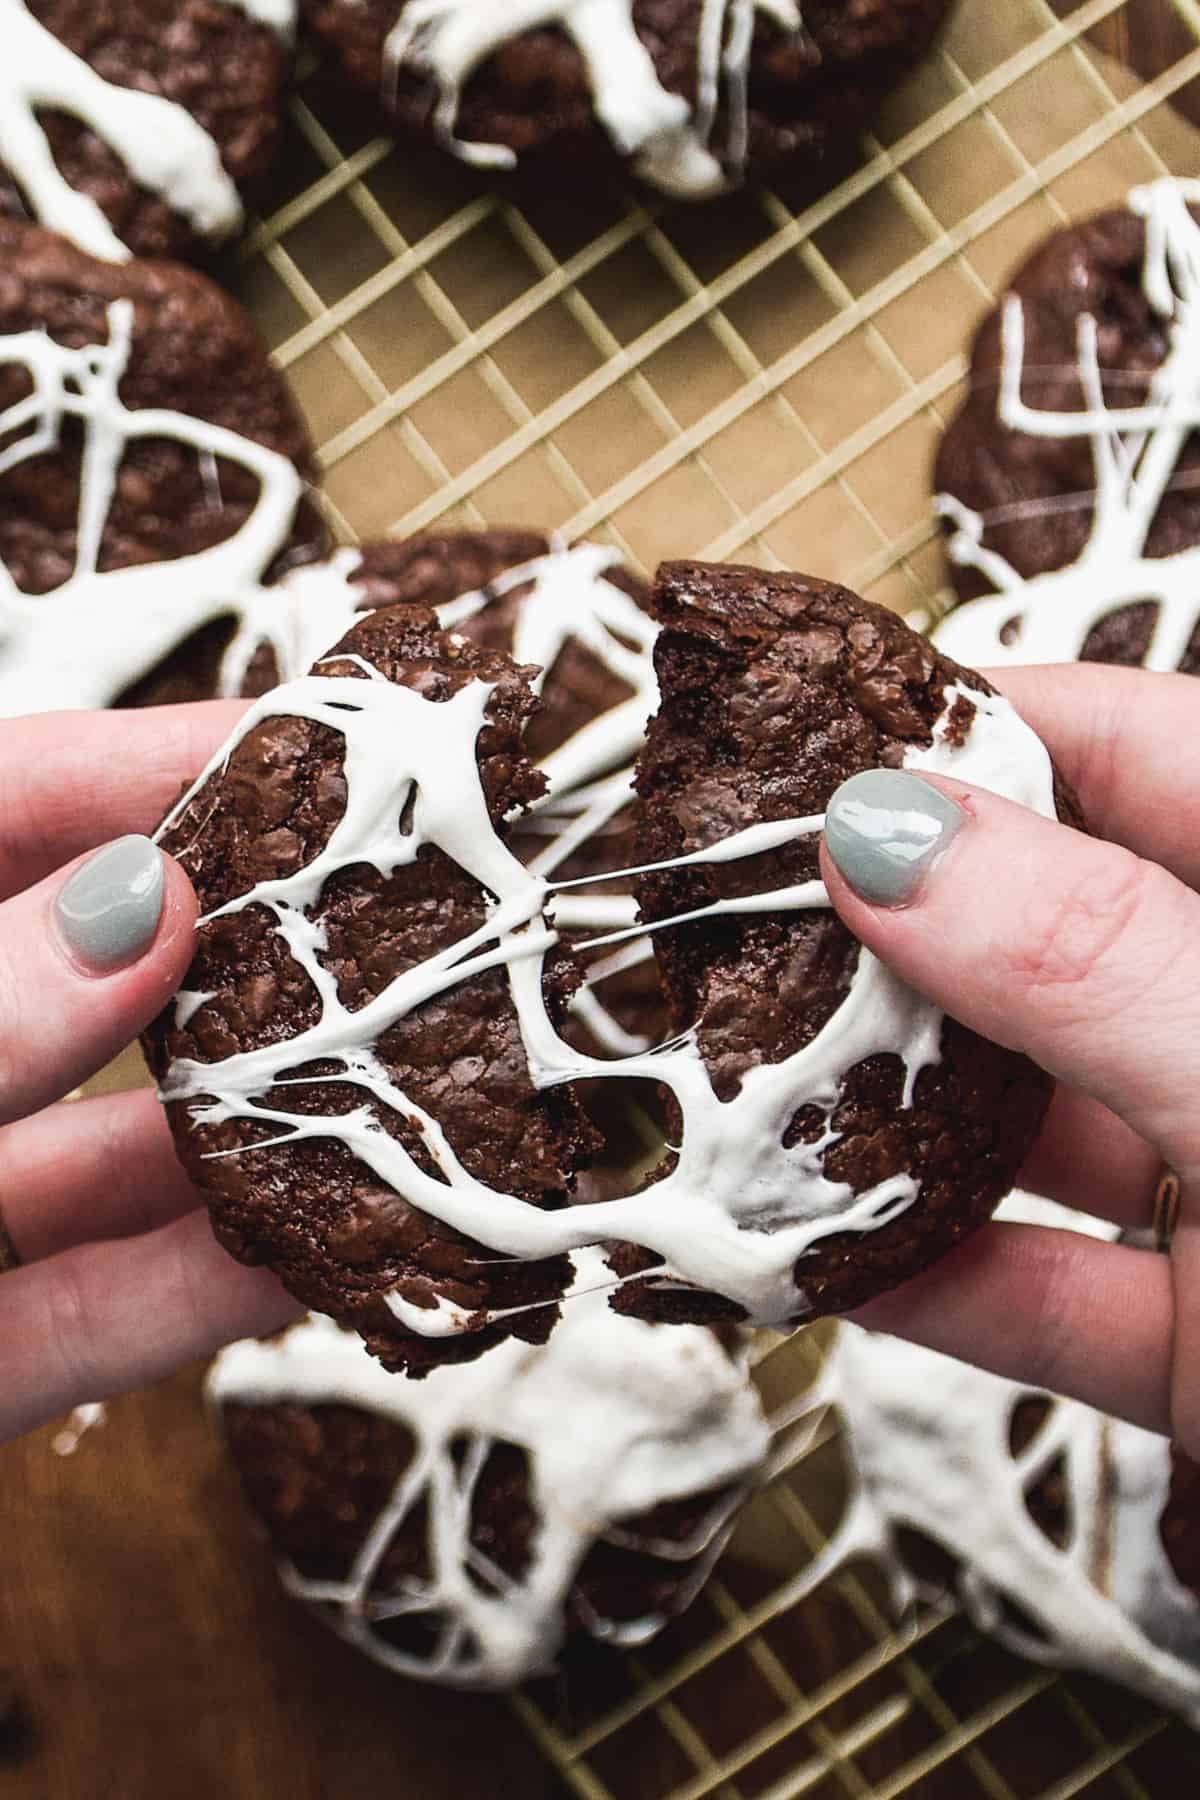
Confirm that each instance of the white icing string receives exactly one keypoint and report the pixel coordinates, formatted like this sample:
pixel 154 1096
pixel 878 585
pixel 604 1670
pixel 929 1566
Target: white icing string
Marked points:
pixel 928 1445
pixel 164 148
pixel 670 141
pixel 81 1420
pixel 615 1418
pixel 739 1207
pixel 99 631
pixel 1136 451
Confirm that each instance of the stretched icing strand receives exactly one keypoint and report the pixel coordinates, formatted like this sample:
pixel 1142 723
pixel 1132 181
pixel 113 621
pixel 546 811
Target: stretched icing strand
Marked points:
pixel 164 148
pixel 928 1445
pixel 86 641
pixel 739 1206
pixel 615 1417
pixel 669 140
pixel 1136 451
pixel 565 596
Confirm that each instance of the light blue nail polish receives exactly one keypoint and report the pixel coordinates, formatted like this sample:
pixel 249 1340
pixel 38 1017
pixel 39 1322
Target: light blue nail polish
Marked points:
pixel 109 910
pixel 885 829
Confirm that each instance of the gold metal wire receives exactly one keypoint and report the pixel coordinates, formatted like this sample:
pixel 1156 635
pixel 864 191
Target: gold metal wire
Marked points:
pixel 767 379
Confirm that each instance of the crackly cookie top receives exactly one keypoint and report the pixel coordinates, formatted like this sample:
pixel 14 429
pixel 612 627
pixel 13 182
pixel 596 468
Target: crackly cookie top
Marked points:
pixel 478 1516
pixel 152 469
pixel 695 93
pixel 1070 1532
pixel 131 126
pixel 1070 480
pixel 332 1069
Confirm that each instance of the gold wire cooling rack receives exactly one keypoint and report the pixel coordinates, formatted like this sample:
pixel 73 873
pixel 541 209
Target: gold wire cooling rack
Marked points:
pixel 764 378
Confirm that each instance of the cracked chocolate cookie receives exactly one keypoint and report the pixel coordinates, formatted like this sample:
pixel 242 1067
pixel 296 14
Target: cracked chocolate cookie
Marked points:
pixel 695 95
pixel 370 1071
pixel 136 126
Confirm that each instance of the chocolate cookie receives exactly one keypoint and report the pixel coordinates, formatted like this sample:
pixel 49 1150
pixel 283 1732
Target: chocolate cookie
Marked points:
pixel 152 471
pixel 1070 479
pixel 135 126
pixel 695 95
pixel 460 1529
pixel 368 1072
pixel 584 622
pixel 1069 1536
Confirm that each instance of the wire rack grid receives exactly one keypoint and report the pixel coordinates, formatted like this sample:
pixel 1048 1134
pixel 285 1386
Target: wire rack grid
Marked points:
pixel 763 378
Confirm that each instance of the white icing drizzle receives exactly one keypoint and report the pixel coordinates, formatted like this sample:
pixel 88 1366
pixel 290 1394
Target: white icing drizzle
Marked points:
pixel 669 140
pixel 927 1442
pixel 81 1420
pixel 615 1417
pixel 86 641
pixel 1136 451
pixel 738 1208
pixel 567 596
pixel 164 148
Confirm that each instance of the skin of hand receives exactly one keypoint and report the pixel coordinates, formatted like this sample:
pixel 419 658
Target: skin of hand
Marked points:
pixel 120 1279
pixel 1083 952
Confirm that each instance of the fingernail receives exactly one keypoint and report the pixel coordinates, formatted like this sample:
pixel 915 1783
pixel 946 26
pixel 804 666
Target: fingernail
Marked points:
pixel 109 910
pixel 885 829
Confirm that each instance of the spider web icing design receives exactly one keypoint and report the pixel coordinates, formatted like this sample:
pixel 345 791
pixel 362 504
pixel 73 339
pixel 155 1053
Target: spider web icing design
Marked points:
pixel 615 1416
pixel 669 140
pixel 738 1206
pixel 1136 450
pixel 86 641
pixel 160 143
pixel 928 1445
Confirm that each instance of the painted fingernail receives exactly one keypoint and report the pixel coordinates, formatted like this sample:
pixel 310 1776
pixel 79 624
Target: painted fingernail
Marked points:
pixel 109 910
pixel 885 829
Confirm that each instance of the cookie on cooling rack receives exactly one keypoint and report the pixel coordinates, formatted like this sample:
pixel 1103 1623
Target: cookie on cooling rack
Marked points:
pixel 1069 481
pixel 139 582
pixel 137 126
pixel 387 1108
pixel 694 95
pixel 460 1529
pixel 1071 1537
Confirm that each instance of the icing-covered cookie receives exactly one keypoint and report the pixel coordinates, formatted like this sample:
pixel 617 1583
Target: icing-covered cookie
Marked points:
pixel 134 126
pixel 1071 1537
pixel 1070 480
pixel 583 621
pixel 460 1529
pixel 152 474
pixel 694 94
pixel 369 1072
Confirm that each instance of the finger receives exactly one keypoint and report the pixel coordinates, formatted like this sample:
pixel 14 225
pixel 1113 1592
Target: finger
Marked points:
pixel 104 1319
pixel 1125 740
pixel 1087 1158
pixel 86 960
pixel 89 1170
pixel 71 781
pixel 1036 936
pixel 1049 1308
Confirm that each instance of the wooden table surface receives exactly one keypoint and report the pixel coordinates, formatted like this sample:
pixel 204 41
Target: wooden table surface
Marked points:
pixel 150 1653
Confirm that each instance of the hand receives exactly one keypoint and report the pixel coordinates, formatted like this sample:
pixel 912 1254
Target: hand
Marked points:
pixel 119 1279
pixel 1085 955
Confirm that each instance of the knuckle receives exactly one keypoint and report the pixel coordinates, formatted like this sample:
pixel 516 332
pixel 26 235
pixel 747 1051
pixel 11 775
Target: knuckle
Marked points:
pixel 1081 943
pixel 68 1328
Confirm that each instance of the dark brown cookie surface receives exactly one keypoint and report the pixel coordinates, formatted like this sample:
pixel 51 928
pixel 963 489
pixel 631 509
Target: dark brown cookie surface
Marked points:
pixel 1084 330
pixel 629 77
pixel 340 1237
pixel 1180 1523
pixel 389 1121
pixel 776 689
pixel 463 1528
pixel 112 343
pixel 160 179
